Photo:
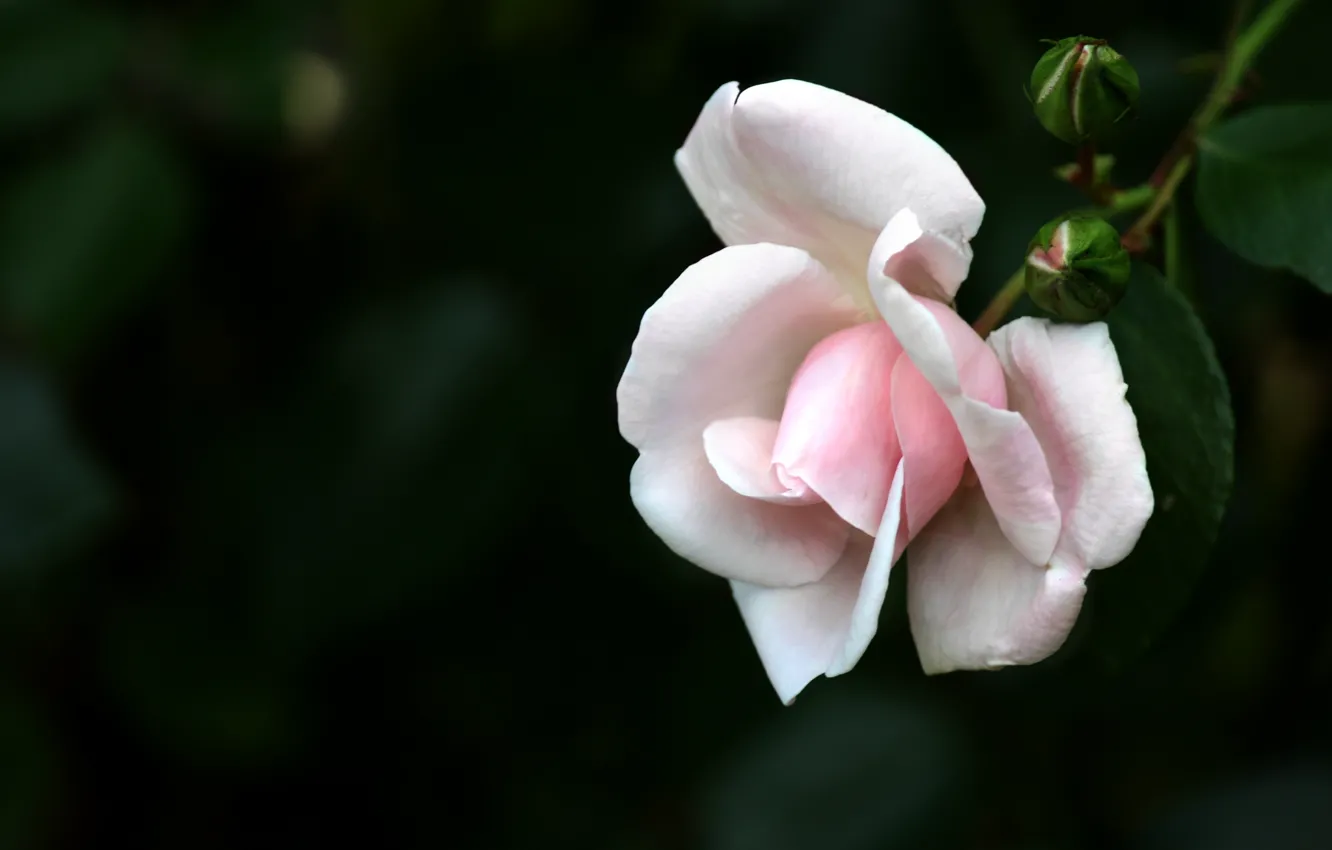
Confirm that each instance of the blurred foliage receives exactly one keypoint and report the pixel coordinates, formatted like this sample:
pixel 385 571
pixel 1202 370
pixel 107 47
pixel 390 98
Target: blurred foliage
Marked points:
pixel 314 526
pixel 54 495
pixel 85 237
pixel 53 61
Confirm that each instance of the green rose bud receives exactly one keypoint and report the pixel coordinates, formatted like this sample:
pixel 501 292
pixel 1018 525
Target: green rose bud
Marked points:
pixel 1081 88
pixel 1076 268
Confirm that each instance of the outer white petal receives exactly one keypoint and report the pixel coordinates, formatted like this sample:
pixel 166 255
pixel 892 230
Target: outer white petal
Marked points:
pixel 721 343
pixel 1001 445
pixel 824 628
pixel 704 521
pixel 1066 381
pixel 975 602
pixel 724 340
pixel 799 164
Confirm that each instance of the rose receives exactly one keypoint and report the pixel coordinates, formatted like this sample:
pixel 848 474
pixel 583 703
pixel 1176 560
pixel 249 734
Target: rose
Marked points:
pixel 805 403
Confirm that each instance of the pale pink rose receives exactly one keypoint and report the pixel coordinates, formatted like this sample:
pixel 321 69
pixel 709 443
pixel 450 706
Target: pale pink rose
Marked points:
pixel 805 403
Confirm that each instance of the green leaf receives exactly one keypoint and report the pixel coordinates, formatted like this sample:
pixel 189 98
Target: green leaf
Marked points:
pixel 52 497
pixel 843 771
pixel 1265 188
pixel 54 58
pixel 86 236
pixel 1179 395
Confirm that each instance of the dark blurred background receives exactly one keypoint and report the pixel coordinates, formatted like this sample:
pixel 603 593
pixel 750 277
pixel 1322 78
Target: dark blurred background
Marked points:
pixel 314 517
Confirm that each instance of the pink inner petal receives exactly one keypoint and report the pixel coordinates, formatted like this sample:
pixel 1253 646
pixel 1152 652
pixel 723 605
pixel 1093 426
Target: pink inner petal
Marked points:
pixel 837 433
pixel 1001 446
pixel 930 442
pixel 740 449
pixel 723 342
pixel 1008 459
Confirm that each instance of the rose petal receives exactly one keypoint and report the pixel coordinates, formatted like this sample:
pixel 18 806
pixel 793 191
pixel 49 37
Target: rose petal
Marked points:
pixel 702 520
pixel 740 450
pixel 975 602
pixel 723 342
pixel 798 164
pixel 964 371
pixel 889 544
pixel 837 431
pixel 931 446
pixel 1066 381
pixel 799 630
pixel 823 628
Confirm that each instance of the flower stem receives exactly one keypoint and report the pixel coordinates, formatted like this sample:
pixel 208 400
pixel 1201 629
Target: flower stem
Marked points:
pixel 1135 239
pixel 1158 193
pixel 1173 238
pixel 1121 201
pixel 1177 162
pixel 1086 174
pixel 1002 302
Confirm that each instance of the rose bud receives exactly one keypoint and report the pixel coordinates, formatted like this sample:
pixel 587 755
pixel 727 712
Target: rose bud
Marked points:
pixel 1081 88
pixel 1076 268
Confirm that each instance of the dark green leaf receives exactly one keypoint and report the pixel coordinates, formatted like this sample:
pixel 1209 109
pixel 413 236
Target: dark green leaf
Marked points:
pixel 51 495
pixel 843 772
pixel 85 237
pixel 54 58
pixel 1265 188
pixel 1182 403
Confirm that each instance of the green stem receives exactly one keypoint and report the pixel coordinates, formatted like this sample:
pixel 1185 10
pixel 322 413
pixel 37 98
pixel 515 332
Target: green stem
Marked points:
pixel 1247 46
pixel 1002 302
pixel 1084 171
pixel 1174 258
pixel 1172 171
pixel 1130 199
pixel 1158 194
pixel 1122 201
pixel 1135 239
